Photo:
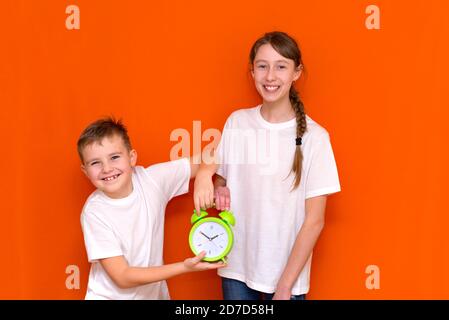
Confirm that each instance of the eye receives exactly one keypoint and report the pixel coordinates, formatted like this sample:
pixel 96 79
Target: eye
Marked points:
pixel 261 66
pixel 282 67
pixel 115 157
pixel 93 163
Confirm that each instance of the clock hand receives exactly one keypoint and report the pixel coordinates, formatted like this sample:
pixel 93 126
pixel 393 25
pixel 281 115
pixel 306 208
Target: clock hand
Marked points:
pixel 205 235
pixel 216 236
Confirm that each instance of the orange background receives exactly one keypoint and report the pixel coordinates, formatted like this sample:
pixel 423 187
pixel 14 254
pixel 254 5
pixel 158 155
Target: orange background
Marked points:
pixel 382 95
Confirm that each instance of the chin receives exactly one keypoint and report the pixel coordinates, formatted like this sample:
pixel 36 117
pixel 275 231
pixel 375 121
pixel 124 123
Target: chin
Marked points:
pixel 271 99
pixel 114 194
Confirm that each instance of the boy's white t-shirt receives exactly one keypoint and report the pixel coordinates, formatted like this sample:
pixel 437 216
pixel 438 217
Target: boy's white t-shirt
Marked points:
pixel 132 227
pixel 256 158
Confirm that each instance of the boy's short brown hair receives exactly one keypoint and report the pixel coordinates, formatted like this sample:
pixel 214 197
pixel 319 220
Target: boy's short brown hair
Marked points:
pixel 105 127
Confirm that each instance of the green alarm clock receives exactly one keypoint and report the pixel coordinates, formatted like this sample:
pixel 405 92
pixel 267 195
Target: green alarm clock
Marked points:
pixel 212 235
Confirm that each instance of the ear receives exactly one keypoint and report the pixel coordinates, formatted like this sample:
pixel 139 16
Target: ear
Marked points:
pixel 298 72
pixel 252 72
pixel 83 169
pixel 133 157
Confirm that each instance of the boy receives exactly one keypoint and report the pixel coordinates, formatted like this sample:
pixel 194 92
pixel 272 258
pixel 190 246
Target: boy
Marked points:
pixel 123 220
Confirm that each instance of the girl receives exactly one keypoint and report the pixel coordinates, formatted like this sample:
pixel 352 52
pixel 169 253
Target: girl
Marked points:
pixel 278 167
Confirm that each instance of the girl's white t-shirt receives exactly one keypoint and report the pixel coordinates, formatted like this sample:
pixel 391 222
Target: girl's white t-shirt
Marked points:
pixel 132 227
pixel 256 158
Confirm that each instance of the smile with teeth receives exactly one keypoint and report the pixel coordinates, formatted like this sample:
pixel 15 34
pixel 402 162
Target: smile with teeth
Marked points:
pixel 271 88
pixel 111 177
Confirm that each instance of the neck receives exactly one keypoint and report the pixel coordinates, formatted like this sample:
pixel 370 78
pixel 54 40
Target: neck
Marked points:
pixel 122 193
pixel 277 111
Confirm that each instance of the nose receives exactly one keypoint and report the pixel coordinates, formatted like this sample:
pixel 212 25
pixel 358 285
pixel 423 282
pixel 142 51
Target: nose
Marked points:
pixel 270 75
pixel 106 167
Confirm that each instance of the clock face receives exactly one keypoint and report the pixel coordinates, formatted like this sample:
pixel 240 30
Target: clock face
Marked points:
pixel 211 237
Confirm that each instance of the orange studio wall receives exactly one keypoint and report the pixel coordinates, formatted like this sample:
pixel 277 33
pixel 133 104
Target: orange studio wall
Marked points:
pixel 376 80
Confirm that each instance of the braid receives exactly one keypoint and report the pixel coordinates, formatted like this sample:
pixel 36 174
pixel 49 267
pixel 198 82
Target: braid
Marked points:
pixel 301 127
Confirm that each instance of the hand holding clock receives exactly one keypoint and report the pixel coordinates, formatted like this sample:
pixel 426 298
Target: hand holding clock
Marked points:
pixel 222 197
pixel 208 193
pixel 195 263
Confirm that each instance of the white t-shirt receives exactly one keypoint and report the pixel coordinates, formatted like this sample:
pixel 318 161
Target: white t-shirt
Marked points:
pixel 132 227
pixel 257 158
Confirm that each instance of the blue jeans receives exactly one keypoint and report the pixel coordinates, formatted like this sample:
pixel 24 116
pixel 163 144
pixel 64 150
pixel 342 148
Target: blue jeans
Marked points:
pixel 238 290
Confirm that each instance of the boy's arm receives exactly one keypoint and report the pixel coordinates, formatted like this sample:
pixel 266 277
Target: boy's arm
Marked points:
pixel 203 171
pixel 197 166
pixel 205 168
pixel 205 190
pixel 203 195
pixel 126 277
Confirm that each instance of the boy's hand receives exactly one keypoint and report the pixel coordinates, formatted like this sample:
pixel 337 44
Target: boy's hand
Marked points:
pixel 203 193
pixel 222 198
pixel 195 264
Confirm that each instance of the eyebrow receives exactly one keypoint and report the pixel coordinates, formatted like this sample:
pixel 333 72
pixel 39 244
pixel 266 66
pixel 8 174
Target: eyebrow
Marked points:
pixel 111 154
pixel 261 60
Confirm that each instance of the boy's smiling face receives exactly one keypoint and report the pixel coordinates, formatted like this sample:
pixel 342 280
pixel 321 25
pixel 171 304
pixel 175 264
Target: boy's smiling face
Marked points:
pixel 109 165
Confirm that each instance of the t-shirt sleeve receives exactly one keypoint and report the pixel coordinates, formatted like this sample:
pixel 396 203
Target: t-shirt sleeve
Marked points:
pixel 99 238
pixel 222 149
pixel 322 178
pixel 171 177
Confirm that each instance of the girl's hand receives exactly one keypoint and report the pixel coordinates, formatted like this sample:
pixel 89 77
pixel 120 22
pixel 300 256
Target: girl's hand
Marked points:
pixel 222 198
pixel 195 264
pixel 203 193
pixel 282 294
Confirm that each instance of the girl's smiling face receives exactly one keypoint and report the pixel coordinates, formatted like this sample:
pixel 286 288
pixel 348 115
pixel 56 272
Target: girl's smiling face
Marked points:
pixel 273 74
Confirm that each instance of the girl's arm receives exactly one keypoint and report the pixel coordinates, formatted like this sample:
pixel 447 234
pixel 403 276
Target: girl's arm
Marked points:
pixel 126 277
pixel 222 194
pixel 303 246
